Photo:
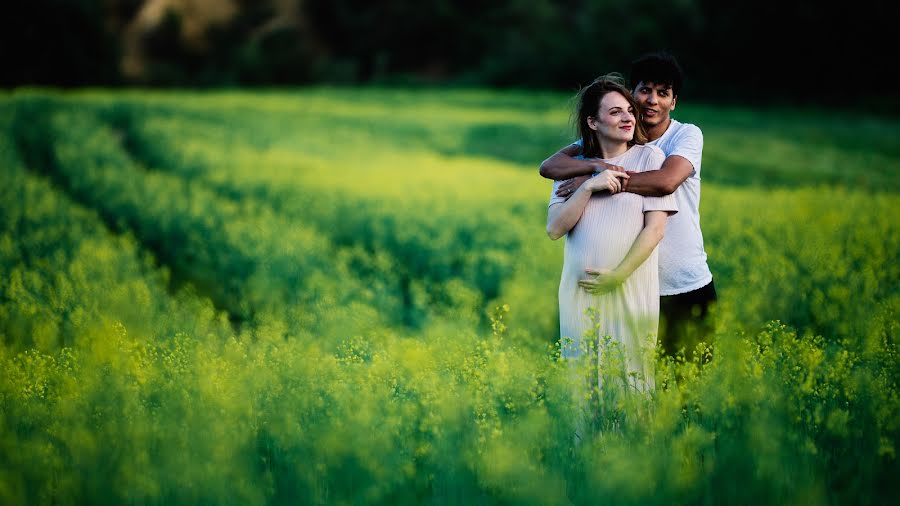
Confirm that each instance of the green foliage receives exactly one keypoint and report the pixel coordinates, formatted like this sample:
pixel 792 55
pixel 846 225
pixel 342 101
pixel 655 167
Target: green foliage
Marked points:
pixel 512 43
pixel 347 296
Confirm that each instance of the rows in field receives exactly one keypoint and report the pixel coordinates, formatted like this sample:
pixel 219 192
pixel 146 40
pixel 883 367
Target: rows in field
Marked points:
pixel 806 256
pixel 258 262
pixel 252 263
pixel 463 220
pixel 769 147
pixel 67 277
pixel 163 376
pixel 452 223
pixel 437 236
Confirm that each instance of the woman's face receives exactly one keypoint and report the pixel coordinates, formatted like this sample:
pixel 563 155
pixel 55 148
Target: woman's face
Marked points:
pixel 615 118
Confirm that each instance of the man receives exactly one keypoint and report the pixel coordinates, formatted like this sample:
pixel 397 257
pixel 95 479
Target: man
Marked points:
pixel 686 284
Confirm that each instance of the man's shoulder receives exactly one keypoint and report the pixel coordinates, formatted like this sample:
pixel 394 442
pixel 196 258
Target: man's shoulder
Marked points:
pixel 686 130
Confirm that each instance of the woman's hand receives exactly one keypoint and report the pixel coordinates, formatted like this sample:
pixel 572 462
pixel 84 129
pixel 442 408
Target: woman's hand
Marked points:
pixel 568 187
pixel 607 180
pixel 602 281
pixel 612 178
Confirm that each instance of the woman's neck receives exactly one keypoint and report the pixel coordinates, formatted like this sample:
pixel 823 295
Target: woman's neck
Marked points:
pixel 611 149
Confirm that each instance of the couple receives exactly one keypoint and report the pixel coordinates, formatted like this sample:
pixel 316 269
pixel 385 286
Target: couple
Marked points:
pixel 630 183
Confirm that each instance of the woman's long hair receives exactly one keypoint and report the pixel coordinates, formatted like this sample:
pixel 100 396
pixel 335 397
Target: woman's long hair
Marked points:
pixel 588 105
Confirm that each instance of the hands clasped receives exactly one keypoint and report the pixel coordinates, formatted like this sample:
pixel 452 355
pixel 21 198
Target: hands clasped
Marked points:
pixel 613 180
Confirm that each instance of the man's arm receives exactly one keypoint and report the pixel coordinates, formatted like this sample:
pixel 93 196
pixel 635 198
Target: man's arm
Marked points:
pixel 657 183
pixel 563 165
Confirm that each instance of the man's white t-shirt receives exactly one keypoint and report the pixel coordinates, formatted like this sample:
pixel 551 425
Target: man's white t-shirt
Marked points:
pixel 682 259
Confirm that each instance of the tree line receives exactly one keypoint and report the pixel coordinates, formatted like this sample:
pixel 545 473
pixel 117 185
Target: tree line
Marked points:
pixel 739 51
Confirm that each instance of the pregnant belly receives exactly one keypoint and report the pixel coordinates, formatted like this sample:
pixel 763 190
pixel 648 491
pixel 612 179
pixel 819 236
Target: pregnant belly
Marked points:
pixel 604 252
pixel 604 234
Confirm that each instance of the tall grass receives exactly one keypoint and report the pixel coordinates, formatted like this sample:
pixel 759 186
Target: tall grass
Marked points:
pixel 346 296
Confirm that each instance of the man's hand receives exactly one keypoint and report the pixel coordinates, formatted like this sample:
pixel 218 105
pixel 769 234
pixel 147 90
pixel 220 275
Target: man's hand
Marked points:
pixel 602 281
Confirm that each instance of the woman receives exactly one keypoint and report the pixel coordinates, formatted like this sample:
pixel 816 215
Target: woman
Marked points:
pixel 611 236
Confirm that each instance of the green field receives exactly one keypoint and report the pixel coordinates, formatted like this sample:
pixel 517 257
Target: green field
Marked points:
pixel 346 296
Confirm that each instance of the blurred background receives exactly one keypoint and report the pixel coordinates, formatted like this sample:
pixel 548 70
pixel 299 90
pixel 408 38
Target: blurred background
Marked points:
pixel 294 252
pixel 761 51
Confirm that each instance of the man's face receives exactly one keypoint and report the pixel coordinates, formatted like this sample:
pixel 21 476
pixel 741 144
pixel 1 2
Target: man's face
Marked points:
pixel 656 102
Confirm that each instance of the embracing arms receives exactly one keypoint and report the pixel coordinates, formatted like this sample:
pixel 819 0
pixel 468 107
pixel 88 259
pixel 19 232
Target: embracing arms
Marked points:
pixel 656 183
pixel 563 164
pixel 652 183
pixel 606 280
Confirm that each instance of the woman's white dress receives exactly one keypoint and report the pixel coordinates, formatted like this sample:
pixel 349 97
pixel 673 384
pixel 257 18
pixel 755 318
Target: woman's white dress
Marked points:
pixel 601 238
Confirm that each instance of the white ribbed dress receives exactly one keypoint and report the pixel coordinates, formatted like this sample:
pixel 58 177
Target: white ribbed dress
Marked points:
pixel 601 239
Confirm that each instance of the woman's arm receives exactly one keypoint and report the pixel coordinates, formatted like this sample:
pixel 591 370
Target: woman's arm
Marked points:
pixel 563 216
pixel 606 280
